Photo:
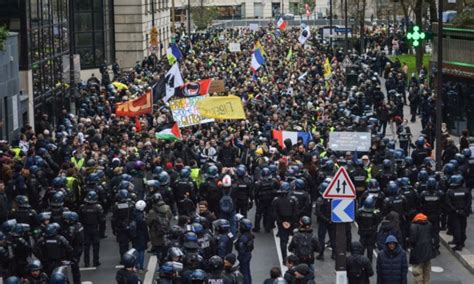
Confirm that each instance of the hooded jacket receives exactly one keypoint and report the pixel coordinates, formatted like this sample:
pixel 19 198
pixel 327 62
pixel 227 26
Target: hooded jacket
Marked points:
pixel 392 266
pixel 359 268
pixel 421 240
pixel 234 274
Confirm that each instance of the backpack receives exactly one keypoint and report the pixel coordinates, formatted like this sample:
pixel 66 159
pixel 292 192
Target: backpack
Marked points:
pixel 226 204
pixel 162 223
pixel 355 269
pixel 304 249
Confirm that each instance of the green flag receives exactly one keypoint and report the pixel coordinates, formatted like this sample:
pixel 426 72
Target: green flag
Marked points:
pixel 290 54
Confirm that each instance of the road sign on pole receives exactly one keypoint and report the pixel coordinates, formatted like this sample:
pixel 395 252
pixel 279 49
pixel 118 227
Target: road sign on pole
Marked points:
pixel 343 210
pixel 341 186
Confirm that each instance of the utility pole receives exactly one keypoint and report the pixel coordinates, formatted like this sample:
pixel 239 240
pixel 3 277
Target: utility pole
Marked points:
pixel 345 24
pixel 330 23
pixel 173 16
pixel 439 85
pixel 71 50
pixel 189 17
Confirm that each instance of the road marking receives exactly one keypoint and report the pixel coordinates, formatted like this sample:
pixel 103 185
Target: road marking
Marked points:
pixel 87 268
pixel 118 266
pixel 152 262
pixel 280 257
pixel 437 269
pixel 86 282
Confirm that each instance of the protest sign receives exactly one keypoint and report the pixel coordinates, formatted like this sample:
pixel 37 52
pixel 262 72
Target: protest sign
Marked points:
pixel 226 107
pixel 185 112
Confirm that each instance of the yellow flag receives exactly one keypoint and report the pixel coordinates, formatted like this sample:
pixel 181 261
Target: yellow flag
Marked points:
pixel 258 45
pixel 327 69
pixel 228 107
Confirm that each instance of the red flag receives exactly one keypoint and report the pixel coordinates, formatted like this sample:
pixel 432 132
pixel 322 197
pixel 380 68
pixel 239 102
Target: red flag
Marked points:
pixel 138 125
pixel 136 107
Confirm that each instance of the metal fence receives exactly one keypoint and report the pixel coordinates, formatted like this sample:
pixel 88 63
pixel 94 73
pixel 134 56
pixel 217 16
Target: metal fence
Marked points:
pixel 265 22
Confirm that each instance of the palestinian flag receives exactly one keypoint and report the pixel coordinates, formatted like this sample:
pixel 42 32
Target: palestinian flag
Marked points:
pixel 170 134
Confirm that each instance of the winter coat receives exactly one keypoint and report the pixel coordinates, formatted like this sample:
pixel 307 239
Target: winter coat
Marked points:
pixel 359 268
pixel 386 229
pixel 140 242
pixel 234 274
pixel 157 231
pixel 392 266
pixel 421 240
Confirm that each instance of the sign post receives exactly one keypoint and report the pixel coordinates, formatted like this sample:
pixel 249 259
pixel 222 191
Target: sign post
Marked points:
pixel 342 192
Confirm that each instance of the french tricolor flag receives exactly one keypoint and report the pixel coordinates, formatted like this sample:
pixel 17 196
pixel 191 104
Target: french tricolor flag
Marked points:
pixel 282 135
pixel 257 60
pixel 281 24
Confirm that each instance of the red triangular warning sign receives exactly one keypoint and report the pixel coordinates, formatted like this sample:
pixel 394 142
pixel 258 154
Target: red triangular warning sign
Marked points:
pixel 341 186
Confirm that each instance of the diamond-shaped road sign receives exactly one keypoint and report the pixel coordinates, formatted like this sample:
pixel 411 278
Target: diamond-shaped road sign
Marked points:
pixel 341 186
pixel 343 210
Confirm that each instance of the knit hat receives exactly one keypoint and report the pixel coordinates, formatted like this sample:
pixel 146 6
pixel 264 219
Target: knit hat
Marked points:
pixel 302 268
pixel 231 258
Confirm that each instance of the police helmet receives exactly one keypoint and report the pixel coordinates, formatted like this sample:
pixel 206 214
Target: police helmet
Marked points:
pixel 198 228
pixel 22 201
pixel 92 179
pixel 164 178
pixel 299 184
pixel 460 158
pixel 456 180
pixel 157 171
pixel 216 263
pixel 467 153
pixel 212 171
pixel 222 225
pixel 129 259
pixel 156 198
pixel 241 170
pixel 265 172
pixel 185 173
pixel 12 280
pixel 392 187
pixel 387 164
pixel 305 221
pixel 34 265
pixel 153 183
pixel 58 182
pixel 175 231
pixel 57 199
pixel 175 253
pixel 323 186
pixel 245 224
pixel 122 195
pixel 198 275
pixel 273 169
pixel 52 230
pixel 59 276
pixel 44 216
pixel 409 161
pixel 448 169
pixel 91 197
pixel 91 163
pixel 431 183
pixel 126 177
pixel 70 216
pixel 420 142
pixel 285 186
pixel 369 202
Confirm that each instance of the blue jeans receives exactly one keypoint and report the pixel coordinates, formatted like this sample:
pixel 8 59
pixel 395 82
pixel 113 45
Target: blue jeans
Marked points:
pixel 141 259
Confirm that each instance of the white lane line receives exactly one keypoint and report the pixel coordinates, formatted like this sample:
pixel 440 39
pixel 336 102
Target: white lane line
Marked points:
pixel 152 262
pixel 86 282
pixel 87 268
pixel 280 256
pixel 118 266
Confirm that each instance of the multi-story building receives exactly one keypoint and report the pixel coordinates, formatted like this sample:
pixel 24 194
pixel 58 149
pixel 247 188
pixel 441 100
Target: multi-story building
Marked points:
pixel 13 104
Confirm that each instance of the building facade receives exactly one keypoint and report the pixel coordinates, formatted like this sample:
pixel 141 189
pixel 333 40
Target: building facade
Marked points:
pixel 133 22
pixel 13 103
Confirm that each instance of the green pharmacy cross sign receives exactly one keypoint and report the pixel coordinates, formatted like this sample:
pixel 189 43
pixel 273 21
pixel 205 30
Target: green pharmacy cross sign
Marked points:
pixel 415 36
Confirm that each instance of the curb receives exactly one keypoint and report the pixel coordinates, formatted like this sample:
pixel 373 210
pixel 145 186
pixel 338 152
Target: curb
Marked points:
pixel 466 257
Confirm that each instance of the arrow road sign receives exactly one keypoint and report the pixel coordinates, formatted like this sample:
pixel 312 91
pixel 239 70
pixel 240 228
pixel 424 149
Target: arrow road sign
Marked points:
pixel 342 210
pixel 341 186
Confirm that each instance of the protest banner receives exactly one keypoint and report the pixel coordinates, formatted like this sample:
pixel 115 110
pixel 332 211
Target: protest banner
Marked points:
pixel 227 107
pixel 136 107
pixel 185 112
pixel 234 47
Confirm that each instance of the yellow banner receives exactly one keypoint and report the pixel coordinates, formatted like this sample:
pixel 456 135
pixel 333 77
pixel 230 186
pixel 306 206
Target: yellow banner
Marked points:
pixel 228 107
pixel 327 69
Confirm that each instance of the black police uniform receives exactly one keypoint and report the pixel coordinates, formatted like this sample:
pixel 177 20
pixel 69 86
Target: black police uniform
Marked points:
pixel 459 201
pixel 74 233
pixel 264 194
pixel 431 204
pixel 91 215
pixel 304 244
pixel 121 219
pixel 286 210
pixel 126 276
pixel 242 193
pixel 368 220
pixel 323 213
pixel 184 191
pixel 52 251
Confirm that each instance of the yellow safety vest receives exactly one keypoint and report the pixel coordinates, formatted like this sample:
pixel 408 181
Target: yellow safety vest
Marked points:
pixel 196 176
pixel 369 173
pixel 17 152
pixel 78 163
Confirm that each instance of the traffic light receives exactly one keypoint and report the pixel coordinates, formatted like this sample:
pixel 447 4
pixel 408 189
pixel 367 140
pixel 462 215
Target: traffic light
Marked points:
pixel 416 36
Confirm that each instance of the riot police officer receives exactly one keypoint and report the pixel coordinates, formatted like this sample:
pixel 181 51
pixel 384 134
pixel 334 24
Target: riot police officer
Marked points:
pixel 305 243
pixel 359 177
pixel 53 248
pixel 56 207
pixel 74 232
pixel 210 191
pixel 223 237
pixel 373 190
pixel 121 219
pixel 206 241
pixel 387 174
pixel 323 214
pixel 184 192
pixel 243 191
pixel 458 200
pixel 303 198
pixel 368 218
pixel 35 275
pixel 24 214
pixel 244 246
pixel 167 192
pixel 170 272
pixel 431 204
pixel 127 274
pixel 265 190
pixel 398 203
pixel 216 275
pixel 286 212
pixel 91 215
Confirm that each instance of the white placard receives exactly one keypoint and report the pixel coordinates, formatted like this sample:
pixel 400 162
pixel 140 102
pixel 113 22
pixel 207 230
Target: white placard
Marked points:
pixel 234 47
